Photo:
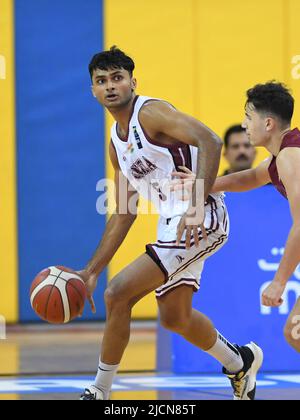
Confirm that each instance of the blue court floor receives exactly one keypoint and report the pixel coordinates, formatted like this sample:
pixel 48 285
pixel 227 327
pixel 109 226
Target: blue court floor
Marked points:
pixel 149 387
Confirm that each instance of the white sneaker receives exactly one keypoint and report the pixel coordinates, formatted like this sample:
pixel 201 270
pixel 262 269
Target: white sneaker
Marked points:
pixel 244 382
pixel 92 394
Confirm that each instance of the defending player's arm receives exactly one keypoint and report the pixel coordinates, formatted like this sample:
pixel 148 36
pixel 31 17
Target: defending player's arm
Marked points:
pixel 245 180
pixel 116 229
pixel 238 182
pixel 160 119
pixel 288 164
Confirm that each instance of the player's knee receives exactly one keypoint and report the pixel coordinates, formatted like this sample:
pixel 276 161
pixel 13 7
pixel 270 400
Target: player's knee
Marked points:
pixel 108 297
pixel 175 323
pixel 114 295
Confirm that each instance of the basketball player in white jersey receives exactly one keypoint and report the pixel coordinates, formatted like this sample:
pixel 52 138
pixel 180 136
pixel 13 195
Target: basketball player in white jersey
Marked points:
pixel 149 140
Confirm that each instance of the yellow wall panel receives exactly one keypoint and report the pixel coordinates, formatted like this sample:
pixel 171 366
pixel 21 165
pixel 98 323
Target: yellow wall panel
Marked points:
pixel 240 43
pixel 8 246
pixel 159 36
pixel 294 51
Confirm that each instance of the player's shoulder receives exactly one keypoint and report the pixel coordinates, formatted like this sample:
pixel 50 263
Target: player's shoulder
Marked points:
pixel 154 104
pixel 154 109
pixel 289 153
pixel 288 163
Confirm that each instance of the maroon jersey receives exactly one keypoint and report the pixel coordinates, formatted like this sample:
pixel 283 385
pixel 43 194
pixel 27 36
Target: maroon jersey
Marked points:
pixel 292 139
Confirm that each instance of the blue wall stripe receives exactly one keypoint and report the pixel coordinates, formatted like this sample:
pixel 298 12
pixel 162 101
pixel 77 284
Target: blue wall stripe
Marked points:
pixel 60 138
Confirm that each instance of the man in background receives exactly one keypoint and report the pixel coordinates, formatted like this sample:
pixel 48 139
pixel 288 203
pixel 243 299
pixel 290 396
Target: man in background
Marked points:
pixel 239 152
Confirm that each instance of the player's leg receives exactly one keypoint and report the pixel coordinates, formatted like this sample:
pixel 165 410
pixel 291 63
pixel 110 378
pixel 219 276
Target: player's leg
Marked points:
pixel 175 302
pixel 292 328
pixel 139 279
pixel 177 315
pixel 241 364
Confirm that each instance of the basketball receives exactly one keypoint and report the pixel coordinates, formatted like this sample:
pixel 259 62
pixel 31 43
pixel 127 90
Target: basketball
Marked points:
pixel 58 295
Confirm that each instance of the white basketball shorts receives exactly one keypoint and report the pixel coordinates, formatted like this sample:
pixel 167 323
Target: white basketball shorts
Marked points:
pixel 182 266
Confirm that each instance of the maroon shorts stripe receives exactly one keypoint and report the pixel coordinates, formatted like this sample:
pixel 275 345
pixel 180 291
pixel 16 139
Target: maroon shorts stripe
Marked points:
pixel 167 292
pixel 218 222
pixel 224 218
pixel 226 226
pixel 174 286
pixel 212 217
pixel 200 255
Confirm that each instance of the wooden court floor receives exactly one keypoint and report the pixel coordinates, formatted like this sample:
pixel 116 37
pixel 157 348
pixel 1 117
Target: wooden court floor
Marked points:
pixel 57 363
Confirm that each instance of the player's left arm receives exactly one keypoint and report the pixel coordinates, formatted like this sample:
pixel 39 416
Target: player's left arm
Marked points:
pixel 160 118
pixel 288 164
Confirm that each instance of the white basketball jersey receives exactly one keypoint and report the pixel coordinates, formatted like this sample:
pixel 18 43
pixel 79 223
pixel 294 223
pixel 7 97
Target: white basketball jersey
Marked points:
pixel 148 165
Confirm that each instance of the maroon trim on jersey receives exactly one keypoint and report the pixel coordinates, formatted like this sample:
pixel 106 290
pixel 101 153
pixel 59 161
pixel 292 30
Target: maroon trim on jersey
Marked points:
pixel 177 158
pixel 273 172
pixel 128 130
pixel 188 157
pixel 292 139
pixel 181 159
pixel 153 255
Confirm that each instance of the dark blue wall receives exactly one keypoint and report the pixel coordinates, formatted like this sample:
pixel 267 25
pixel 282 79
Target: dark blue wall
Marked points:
pixel 60 138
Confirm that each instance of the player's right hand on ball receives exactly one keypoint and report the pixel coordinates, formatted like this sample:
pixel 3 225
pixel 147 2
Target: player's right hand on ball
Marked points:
pixel 91 282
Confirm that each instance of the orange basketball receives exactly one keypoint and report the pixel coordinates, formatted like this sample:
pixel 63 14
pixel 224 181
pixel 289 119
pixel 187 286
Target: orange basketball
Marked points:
pixel 58 295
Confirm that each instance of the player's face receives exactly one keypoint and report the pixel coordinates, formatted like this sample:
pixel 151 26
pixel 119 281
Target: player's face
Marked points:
pixel 256 127
pixel 114 88
pixel 240 153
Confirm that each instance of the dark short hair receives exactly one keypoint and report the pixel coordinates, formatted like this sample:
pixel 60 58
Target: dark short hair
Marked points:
pixel 274 98
pixel 111 59
pixel 234 129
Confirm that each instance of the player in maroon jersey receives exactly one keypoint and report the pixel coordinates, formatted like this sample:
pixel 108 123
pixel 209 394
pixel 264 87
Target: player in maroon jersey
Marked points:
pixel 269 111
